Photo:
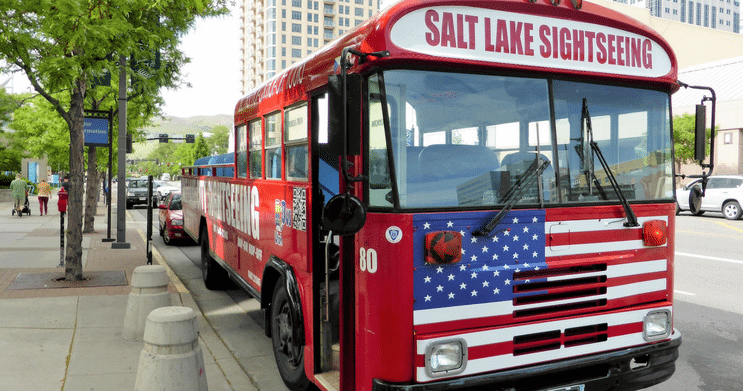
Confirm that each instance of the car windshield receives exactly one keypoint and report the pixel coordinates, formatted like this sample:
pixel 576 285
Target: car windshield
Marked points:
pixel 138 183
pixel 175 203
pixel 465 140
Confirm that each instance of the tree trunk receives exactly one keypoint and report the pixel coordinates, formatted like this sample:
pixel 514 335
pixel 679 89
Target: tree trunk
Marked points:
pixel 91 192
pixel 74 251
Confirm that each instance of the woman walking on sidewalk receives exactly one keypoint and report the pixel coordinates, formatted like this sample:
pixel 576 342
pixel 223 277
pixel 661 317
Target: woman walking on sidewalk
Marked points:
pixel 45 192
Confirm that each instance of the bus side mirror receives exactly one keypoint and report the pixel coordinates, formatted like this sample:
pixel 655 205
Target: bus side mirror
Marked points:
pixel 700 133
pixel 340 127
pixel 344 214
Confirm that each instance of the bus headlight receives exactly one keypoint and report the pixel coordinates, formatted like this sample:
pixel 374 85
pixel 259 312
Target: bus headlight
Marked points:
pixel 657 325
pixel 177 222
pixel 446 357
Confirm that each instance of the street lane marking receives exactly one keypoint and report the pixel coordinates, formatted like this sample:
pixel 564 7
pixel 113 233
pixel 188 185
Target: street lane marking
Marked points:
pixel 735 261
pixel 684 293
pixel 729 226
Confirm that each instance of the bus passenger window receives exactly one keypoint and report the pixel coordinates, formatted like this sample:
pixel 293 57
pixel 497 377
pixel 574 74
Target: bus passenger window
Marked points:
pixel 256 149
pixel 295 139
pixel 273 147
pixel 242 151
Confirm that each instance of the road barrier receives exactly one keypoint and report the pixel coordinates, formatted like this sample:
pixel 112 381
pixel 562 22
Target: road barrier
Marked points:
pixel 172 359
pixel 149 292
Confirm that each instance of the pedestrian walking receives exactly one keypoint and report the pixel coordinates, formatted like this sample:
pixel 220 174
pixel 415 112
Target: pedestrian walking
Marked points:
pixel 45 192
pixel 18 187
pixel 66 183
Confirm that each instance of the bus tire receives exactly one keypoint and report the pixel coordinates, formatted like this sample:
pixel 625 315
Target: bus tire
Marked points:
pixel 286 349
pixel 213 274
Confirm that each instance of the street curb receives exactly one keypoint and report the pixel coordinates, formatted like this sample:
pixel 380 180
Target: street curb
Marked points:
pixel 227 363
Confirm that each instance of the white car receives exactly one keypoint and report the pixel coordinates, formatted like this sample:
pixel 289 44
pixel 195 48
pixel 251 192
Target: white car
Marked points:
pixel 161 190
pixel 724 194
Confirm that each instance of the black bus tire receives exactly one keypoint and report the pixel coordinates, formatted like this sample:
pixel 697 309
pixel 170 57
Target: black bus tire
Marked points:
pixel 288 353
pixel 213 274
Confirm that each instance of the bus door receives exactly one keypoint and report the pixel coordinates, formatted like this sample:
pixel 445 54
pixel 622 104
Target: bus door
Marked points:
pixel 326 266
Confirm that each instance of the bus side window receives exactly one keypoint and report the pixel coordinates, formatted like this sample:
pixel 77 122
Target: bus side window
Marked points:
pixel 295 140
pixel 242 150
pixel 256 149
pixel 273 146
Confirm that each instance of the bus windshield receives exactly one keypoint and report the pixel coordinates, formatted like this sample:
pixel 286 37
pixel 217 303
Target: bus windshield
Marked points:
pixel 472 140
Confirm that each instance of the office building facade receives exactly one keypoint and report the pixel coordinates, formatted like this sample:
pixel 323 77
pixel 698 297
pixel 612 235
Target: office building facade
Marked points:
pixel 277 33
pixel 717 14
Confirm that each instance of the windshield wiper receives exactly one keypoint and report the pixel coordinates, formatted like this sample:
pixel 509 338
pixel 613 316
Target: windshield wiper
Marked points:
pixel 515 193
pixel 586 121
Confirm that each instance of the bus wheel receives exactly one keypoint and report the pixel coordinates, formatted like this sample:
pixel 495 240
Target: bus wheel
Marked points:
pixel 214 275
pixel 287 351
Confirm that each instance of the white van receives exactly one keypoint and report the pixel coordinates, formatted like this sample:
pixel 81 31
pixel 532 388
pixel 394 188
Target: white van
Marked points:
pixel 165 177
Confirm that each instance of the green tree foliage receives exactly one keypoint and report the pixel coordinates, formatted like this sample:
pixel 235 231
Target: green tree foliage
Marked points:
pixel 683 139
pixel 61 45
pixel 219 141
pixel 10 156
pixel 200 149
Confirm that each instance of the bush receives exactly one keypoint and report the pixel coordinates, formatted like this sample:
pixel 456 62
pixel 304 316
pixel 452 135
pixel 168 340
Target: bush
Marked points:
pixel 5 180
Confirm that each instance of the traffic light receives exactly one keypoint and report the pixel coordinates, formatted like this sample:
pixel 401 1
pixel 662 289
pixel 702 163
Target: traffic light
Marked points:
pixel 163 137
pixel 190 139
pixel 128 143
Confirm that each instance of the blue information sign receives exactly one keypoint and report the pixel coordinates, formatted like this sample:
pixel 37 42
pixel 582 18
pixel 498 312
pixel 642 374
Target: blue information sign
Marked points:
pixel 96 131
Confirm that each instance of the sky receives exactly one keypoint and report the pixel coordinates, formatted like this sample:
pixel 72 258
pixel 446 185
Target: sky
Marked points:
pixel 214 72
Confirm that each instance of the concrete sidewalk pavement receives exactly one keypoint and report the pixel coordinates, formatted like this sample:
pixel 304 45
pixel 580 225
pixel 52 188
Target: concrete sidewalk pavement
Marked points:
pixel 69 337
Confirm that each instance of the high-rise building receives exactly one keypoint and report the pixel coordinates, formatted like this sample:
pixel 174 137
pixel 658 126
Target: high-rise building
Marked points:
pixel 277 33
pixel 716 14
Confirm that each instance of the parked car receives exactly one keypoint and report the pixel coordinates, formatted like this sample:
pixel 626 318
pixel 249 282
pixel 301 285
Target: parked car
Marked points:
pixel 724 193
pixel 171 219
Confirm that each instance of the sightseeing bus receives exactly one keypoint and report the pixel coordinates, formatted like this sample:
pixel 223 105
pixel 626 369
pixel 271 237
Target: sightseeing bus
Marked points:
pixel 457 195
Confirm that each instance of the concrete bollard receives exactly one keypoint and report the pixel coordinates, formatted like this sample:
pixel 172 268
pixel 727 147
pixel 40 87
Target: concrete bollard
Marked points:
pixel 172 359
pixel 149 291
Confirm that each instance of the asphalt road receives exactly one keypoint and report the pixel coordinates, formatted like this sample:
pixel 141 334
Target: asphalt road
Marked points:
pixel 708 309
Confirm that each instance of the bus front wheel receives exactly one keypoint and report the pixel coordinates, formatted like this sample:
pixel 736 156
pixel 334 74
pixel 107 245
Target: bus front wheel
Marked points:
pixel 287 350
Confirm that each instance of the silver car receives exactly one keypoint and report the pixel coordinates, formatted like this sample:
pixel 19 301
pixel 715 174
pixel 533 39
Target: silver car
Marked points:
pixel 724 194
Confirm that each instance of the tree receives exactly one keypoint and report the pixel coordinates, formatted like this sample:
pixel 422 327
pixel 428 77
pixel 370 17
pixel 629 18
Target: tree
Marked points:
pixel 683 139
pixel 219 140
pixel 62 45
pixel 200 149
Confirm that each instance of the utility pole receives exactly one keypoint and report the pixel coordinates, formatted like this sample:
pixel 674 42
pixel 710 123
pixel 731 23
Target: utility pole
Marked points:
pixel 121 174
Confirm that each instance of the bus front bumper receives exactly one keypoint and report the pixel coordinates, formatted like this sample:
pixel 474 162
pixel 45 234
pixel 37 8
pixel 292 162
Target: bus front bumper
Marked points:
pixel 626 369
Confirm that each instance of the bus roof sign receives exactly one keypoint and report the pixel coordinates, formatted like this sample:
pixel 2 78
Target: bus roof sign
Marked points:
pixel 529 40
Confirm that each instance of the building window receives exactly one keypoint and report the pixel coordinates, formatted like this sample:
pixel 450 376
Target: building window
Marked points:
pixel 296 15
pixel 728 137
pixel 296 3
pixel 296 28
pixel 359 11
pixel 297 53
pixel 296 40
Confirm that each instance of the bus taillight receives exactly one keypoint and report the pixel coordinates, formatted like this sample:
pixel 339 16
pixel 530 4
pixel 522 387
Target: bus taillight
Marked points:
pixel 443 247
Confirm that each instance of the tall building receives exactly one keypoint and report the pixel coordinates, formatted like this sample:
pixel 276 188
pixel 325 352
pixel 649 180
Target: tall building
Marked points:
pixel 716 14
pixel 277 33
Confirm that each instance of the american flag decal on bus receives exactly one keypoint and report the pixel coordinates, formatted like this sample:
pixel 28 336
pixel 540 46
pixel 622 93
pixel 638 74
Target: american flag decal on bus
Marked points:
pixel 485 273
pixel 583 280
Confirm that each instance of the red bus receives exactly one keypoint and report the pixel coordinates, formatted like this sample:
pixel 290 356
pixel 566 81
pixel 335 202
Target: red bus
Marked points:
pixel 457 195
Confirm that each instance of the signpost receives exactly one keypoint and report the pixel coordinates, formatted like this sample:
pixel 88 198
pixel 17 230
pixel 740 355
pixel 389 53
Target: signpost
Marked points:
pixel 97 130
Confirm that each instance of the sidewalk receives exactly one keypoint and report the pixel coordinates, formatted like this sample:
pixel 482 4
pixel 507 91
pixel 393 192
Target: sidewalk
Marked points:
pixel 69 338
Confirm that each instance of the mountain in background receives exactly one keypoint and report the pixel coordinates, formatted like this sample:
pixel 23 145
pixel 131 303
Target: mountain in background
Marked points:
pixel 179 127
pixel 190 125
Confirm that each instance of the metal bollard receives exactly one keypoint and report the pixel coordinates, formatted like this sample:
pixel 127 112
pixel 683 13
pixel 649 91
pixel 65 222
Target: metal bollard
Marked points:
pixel 149 291
pixel 172 359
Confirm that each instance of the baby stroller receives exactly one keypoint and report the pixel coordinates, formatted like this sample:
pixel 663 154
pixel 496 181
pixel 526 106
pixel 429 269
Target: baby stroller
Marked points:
pixel 26 209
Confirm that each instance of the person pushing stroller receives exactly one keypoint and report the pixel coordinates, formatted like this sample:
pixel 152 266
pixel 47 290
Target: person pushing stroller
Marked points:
pixel 18 187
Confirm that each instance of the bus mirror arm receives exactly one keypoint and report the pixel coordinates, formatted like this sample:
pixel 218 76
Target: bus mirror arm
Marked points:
pixel 700 134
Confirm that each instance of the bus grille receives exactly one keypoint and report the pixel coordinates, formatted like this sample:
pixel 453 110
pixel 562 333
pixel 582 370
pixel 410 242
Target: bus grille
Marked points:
pixel 560 291
pixel 551 340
